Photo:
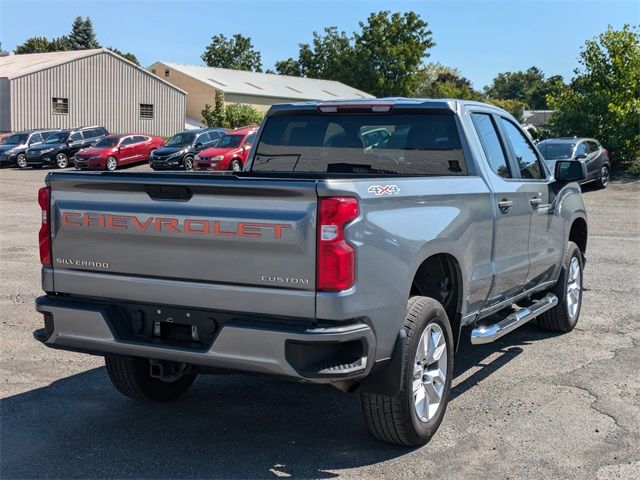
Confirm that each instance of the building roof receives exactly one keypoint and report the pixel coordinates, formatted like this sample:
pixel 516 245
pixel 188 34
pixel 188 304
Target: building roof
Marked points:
pixel 267 84
pixel 13 66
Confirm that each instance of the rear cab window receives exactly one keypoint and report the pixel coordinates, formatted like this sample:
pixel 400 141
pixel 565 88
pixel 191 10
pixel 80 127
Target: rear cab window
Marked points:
pixel 425 143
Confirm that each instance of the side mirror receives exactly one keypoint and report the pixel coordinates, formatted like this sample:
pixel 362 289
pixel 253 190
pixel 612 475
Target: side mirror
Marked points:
pixel 581 156
pixel 570 171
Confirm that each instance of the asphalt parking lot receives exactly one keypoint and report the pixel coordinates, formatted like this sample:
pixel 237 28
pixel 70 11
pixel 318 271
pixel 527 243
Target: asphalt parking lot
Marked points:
pixel 532 405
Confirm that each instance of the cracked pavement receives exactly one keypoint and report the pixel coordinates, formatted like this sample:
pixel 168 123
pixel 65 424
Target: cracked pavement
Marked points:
pixel 532 405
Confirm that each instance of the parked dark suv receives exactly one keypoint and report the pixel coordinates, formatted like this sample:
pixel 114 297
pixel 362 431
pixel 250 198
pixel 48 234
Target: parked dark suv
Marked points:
pixel 59 147
pixel 587 151
pixel 179 152
pixel 12 151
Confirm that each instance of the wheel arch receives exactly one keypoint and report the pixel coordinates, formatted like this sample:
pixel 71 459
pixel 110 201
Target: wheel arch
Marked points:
pixel 439 276
pixel 578 234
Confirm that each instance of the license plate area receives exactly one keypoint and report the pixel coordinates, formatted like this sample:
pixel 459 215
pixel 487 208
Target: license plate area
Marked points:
pixel 165 326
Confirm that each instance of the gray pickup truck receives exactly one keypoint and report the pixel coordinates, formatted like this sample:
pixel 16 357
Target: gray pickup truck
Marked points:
pixel 329 259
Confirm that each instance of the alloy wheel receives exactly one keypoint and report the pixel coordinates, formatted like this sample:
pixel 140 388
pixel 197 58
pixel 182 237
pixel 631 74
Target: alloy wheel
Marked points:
pixel 574 287
pixel 604 176
pixel 430 372
pixel 62 161
pixel 21 160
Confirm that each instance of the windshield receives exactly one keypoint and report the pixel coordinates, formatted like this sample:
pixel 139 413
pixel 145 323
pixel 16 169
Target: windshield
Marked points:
pixel 553 150
pixel 181 140
pixel 410 144
pixel 229 141
pixel 107 142
pixel 59 137
pixel 17 139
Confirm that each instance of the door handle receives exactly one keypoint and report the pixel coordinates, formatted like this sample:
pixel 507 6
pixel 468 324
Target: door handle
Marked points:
pixel 505 205
pixel 535 201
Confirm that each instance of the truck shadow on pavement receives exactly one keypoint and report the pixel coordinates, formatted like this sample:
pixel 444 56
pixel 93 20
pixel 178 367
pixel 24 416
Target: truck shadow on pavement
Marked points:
pixel 227 426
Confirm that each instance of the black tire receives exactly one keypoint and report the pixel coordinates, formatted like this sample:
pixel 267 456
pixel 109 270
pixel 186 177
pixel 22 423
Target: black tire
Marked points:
pixel 21 161
pixel 559 319
pixel 394 419
pixel 131 377
pixel 62 161
pixel 235 165
pixel 187 163
pixel 603 180
pixel 111 165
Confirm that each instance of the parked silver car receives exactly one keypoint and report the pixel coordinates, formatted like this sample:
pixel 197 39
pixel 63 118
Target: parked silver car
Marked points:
pixel 585 150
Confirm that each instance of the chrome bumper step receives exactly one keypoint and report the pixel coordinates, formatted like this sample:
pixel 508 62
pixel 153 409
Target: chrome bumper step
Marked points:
pixel 490 332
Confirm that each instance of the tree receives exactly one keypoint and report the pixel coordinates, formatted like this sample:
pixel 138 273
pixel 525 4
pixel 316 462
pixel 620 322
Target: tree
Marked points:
pixel 230 116
pixel 330 57
pixel 603 99
pixel 530 87
pixel 242 115
pixel 33 45
pixel 82 36
pixel 237 53
pixel 129 56
pixel 215 116
pixel 384 58
pixel 390 50
pixel 42 45
pixel 514 107
pixel 440 81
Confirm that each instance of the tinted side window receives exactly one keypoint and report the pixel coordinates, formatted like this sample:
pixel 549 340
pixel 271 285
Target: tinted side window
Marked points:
pixel 528 161
pixel 491 144
pixel 126 141
pixel 102 131
pixel 75 137
pixel 139 139
pixel 204 138
pixel 250 139
pixel 593 147
pixel 89 133
pixel 35 138
pixel 215 135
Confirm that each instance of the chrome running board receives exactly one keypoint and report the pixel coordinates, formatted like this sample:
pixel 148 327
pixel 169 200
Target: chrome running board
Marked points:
pixel 490 332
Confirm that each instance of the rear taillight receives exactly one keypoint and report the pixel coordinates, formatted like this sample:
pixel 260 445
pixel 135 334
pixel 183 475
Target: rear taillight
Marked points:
pixel 336 258
pixel 44 236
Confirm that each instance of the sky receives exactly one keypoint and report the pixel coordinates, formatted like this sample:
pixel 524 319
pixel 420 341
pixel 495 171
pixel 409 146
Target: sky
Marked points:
pixel 480 38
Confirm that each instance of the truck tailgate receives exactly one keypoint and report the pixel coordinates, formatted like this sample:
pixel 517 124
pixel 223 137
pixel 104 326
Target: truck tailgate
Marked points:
pixel 210 234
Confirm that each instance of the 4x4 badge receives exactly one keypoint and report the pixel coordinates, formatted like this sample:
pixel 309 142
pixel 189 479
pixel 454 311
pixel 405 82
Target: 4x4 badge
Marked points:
pixel 379 190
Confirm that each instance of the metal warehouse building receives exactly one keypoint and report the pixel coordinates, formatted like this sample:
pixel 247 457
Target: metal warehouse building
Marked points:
pixel 260 90
pixel 86 87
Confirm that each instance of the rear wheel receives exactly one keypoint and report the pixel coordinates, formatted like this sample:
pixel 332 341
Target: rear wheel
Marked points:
pixel 111 164
pixel 564 316
pixel 62 161
pixel 21 160
pixel 235 165
pixel 132 377
pixel 413 415
pixel 188 163
pixel 603 180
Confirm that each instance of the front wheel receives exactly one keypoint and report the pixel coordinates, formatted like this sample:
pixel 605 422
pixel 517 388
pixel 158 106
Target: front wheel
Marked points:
pixel 62 161
pixel 188 164
pixel 111 164
pixel 132 377
pixel 21 160
pixel 235 166
pixel 564 316
pixel 413 415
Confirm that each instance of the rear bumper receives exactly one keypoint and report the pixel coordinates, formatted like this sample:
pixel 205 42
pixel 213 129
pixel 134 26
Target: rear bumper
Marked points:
pixel 296 350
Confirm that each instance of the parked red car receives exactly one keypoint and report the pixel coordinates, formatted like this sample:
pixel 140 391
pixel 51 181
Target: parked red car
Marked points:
pixel 230 153
pixel 115 150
